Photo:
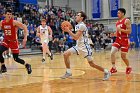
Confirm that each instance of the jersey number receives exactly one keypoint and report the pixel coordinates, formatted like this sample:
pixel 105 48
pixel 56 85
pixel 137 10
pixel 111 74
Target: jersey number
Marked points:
pixel 8 32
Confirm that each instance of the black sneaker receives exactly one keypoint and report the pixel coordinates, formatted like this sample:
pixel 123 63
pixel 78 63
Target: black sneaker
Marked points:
pixel 43 60
pixel 29 69
pixel 3 69
pixel 51 56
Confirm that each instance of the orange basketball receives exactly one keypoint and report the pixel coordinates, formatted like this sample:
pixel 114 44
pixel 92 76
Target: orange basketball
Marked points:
pixel 66 24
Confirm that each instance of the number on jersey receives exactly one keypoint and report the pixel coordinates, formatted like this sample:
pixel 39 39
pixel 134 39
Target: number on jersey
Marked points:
pixel 8 32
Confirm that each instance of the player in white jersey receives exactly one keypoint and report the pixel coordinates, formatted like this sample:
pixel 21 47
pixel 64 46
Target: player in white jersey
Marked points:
pixel 45 32
pixel 82 46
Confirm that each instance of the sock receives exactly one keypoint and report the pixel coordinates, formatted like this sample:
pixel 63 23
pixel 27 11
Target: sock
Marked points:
pixel 105 71
pixel 68 70
pixel 50 54
pixel 43 57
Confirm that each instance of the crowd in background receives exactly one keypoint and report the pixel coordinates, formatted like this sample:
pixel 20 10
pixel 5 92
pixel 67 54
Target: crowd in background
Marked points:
pixel 100 37
pixel 32 14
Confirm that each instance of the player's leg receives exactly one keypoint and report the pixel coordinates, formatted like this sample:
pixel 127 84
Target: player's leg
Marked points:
pixel 124 51
pixel 5 54
pixel 48 52
pixel 10 53
pixel 92 64
pixel 21 61
pixel 67 61
pixel 45 49
pixel 15 50
pixel 114 50
pixel 124 58
pixel 3 67
pixel 88 55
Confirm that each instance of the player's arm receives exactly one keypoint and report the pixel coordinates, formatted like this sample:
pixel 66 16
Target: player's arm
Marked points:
pixel 128 26
pixel 0 25
pixel 38 32
pixel 75 36
pixel 50 31
pixel 22 26
pixel 78 33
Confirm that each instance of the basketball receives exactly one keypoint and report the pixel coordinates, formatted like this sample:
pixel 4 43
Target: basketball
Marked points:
pixel 66 24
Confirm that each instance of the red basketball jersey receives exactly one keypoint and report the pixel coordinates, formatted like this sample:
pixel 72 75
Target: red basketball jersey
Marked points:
pixel 122 25
pixel 10 31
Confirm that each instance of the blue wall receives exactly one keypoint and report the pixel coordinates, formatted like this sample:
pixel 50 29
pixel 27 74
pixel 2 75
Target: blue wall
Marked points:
pixel 135 34
pixel 138 31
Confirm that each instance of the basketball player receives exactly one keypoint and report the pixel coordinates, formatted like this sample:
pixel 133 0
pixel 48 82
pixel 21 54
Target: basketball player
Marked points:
pixel 123 27
pixel 45 32
pixel 82 46
pixel 10 27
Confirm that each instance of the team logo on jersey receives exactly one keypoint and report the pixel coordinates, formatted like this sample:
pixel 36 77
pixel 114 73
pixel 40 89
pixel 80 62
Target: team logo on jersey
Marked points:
pixel 76 27
pixel 7 27
pixel 43 30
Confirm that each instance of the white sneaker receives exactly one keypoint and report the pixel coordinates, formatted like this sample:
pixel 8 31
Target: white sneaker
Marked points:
pixel 107 76
pixel 67 75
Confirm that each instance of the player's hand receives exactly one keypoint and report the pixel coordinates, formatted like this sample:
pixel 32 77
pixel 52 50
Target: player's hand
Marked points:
pixel 119 29
pixel 66 29
pixel 24 42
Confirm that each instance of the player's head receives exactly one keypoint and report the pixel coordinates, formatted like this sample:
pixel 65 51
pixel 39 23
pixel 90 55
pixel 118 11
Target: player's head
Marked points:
pixel 81 16
pixel 8 14
pixel 43 22
pixel 121 12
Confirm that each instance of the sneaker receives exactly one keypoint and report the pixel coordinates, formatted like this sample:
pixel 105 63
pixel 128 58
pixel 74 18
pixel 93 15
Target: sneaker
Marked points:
pixel 128 70
pixel 106 76
pixel 43 60
pixel 113 70
pixel 67 75
pixel 3 69
pixel 51 56
pixel 29 69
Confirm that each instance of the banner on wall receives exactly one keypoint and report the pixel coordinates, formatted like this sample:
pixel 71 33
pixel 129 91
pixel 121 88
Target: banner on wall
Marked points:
pixel 114 6
pixel 28 1
pixel 96 8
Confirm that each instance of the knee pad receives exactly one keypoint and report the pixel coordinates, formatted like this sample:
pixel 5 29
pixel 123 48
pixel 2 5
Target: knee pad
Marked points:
pixel 114 50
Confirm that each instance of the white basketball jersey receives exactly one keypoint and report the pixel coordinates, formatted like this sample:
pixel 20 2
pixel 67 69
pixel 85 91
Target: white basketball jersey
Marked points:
pixel 83 40
pixel 44 32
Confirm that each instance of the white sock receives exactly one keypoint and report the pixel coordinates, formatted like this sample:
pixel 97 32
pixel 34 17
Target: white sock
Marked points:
pixel 50 54
pixel 43 57
pixel 68 70
pixel 105 71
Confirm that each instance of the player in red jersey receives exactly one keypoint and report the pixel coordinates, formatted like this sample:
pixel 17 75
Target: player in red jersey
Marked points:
pixel 10 27
pixel 123 27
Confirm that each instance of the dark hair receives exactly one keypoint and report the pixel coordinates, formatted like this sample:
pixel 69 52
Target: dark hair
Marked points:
pixel 83 15
pixel 8 10
pixel 122 10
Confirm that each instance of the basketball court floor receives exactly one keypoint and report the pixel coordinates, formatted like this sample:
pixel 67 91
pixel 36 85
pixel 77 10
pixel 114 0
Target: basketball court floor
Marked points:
pixel 46 77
